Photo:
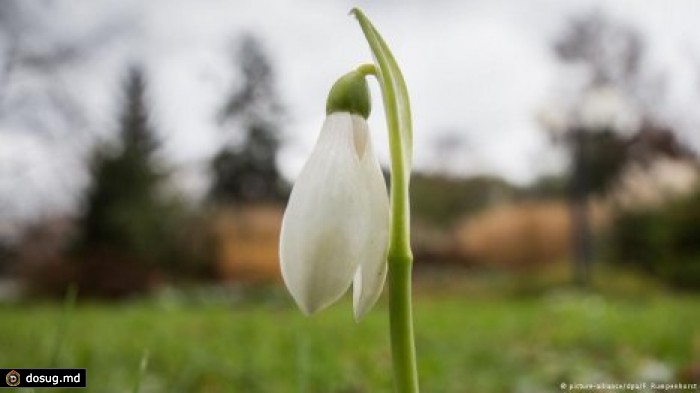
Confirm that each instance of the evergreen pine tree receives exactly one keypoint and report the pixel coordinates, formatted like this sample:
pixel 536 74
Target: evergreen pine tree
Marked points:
pixel 125 210
pixel 247 172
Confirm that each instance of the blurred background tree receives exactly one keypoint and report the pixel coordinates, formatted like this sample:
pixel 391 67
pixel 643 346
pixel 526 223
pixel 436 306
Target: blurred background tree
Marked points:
pixel 6 255
pixel 663 241
pixel 613 104
pixel 245 170
pixel 124 207
pixel 597 158
pixel 129 222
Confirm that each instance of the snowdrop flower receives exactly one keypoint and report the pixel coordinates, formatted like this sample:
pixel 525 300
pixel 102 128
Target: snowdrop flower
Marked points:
pixel 336 226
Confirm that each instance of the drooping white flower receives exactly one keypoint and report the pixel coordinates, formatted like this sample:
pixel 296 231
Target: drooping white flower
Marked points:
pixel 336 226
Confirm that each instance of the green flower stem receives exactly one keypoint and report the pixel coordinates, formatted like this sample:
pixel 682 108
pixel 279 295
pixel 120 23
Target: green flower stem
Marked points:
pixel 367 69
pixel 403 352
pixel 400 257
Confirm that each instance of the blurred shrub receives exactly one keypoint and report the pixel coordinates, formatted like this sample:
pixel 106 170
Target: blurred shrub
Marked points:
pixel 48 266
pixel 104 275
pixel 663 241
pixel 440 200
pixel 6 257
pixel 548 187
pixel 523 235
pixel 434 246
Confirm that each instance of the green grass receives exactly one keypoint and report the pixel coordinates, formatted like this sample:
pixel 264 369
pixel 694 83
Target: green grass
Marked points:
pixel 465 344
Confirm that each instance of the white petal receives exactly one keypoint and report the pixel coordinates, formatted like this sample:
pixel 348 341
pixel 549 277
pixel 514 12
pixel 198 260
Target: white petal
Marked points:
pixel 370 277
pixel 326 223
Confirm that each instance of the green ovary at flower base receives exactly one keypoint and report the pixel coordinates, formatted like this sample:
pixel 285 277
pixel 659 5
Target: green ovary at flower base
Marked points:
pixel 340 227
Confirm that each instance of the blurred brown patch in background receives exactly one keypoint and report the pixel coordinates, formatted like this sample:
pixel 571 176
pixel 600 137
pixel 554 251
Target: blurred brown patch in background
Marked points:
pixel 246 243
pixel 521 235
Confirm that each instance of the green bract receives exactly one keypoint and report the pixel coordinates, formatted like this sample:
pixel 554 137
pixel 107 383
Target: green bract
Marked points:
pixel 398 108
pixel 350 94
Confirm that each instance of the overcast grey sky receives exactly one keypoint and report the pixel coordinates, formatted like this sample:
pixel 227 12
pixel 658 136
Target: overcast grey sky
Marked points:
pixel 483 69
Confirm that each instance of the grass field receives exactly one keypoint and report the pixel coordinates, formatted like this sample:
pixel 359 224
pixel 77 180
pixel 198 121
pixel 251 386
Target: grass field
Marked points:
pixel 261 343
